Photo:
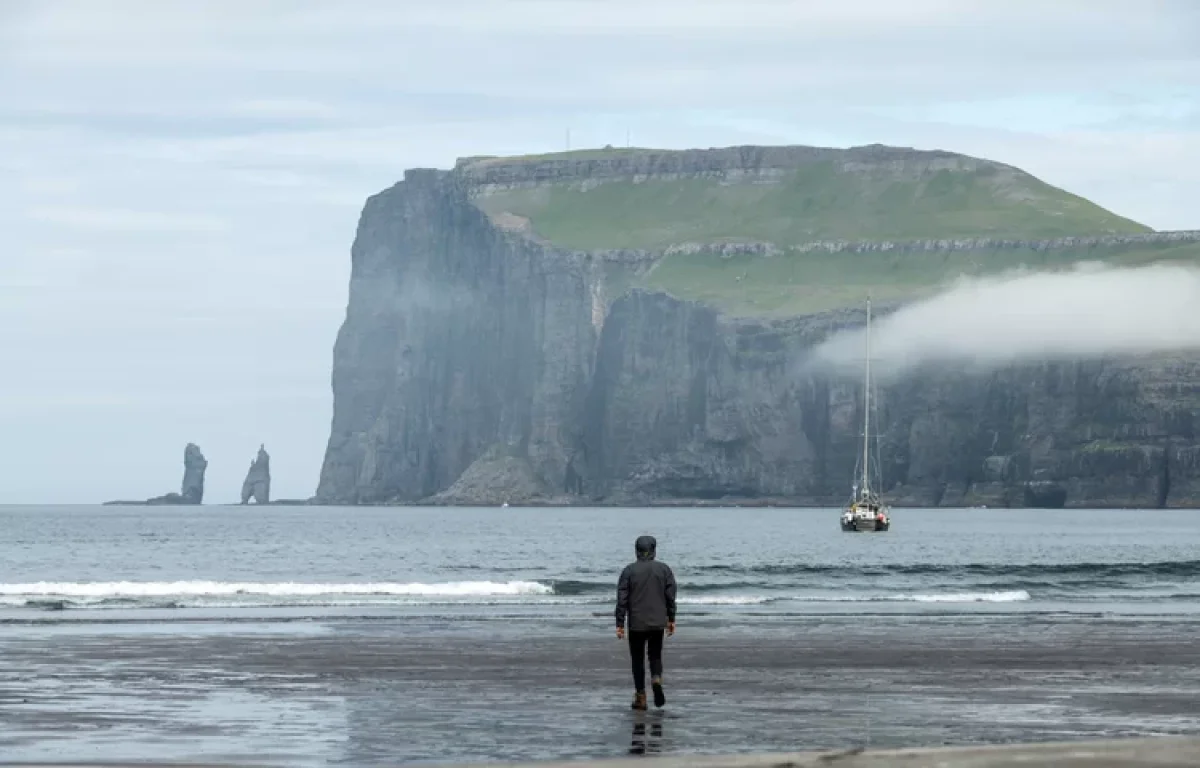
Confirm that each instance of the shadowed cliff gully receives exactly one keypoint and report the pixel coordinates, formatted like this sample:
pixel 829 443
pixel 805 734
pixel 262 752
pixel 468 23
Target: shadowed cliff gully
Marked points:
pixel 632 326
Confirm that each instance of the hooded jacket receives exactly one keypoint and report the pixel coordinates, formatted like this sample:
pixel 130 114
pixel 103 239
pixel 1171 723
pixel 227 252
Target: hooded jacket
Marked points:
pixel 646 590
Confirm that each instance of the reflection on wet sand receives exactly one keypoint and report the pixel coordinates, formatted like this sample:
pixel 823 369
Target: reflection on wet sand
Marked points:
pixel 383 693
pixel 647 734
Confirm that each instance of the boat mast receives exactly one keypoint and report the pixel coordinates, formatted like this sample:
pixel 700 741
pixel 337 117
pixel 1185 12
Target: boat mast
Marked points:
pixel 867 410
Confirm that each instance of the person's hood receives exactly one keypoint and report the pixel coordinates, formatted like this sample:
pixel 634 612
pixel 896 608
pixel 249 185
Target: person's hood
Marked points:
pixel 645 547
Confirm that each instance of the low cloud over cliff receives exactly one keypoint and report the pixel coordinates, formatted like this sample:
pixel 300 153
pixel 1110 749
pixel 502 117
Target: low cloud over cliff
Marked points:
pixel 1091 311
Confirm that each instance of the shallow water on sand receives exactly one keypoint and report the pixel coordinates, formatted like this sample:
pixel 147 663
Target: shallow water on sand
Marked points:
pixel 322 636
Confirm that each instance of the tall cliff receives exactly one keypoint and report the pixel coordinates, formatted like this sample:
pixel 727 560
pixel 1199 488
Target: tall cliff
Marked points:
pixel 459 338
pixel 485 357
pixel 685 403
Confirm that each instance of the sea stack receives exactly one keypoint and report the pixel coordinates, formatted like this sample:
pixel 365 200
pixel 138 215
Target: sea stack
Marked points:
pixel 191 491
pixel 194 465
pixel 257 484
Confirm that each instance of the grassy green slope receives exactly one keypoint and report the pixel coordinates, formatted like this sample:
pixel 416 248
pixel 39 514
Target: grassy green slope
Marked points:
pixel 819 202
pixel 799 283
pixel 916 198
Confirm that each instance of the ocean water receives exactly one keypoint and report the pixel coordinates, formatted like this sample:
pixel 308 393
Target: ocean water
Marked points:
pixel 374 636
pixel 234 563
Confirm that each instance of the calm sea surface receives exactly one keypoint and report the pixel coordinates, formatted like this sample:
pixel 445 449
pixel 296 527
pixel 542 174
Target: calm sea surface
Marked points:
pixel 80 563
pixel 368 636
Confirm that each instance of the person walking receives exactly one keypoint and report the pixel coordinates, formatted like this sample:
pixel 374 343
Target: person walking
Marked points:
pixel 646 596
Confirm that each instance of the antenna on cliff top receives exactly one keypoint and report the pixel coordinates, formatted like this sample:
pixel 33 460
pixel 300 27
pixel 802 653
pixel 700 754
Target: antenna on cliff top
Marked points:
pixel 627 138
pixel 568 139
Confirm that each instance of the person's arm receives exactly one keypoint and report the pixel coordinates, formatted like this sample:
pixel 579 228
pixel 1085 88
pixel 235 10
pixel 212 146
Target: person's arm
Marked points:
pixel 670 592
pixel 622 600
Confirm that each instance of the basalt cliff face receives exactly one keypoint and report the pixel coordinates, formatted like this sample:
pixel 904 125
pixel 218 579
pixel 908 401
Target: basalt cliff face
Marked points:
pixel 459 338
pixel 684 403
pixel 481 363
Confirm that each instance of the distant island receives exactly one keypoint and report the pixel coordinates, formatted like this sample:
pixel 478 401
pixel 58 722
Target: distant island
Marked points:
pixel 625 326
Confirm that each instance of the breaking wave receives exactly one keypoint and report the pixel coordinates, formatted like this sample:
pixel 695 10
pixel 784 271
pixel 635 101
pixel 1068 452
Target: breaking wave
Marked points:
pixel 133 589
pixel 729 600
pixel 1032 571
pixel 222 594
pixel 57 596
pixel 1011 596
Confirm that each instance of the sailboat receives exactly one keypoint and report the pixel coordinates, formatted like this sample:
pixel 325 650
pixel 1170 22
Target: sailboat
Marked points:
pixel 866 511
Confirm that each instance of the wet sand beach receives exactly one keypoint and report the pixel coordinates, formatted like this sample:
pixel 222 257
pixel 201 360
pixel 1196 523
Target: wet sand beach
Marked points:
pixel 387 691
pixel 325 636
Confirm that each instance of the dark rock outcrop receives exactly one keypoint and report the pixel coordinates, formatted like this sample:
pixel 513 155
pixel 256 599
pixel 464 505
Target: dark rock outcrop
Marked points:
pixel 257 484
pixel 476 365
pixel 497 476
pixel 191 489
pixel 194 466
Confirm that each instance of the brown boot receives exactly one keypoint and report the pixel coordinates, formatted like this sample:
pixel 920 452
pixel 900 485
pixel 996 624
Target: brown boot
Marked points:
pixel 639 700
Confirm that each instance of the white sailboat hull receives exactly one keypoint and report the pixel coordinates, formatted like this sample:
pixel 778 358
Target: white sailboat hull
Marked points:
pixel 865 525
pixel 866 516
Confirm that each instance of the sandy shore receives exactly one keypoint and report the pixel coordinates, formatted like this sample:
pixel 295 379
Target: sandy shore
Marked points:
pixel 391 691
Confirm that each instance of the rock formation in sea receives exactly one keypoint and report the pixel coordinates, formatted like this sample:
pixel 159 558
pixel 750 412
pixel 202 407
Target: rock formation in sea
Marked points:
pixel 194 466
pixel 506 341
pixel 257 484
pixel 191 489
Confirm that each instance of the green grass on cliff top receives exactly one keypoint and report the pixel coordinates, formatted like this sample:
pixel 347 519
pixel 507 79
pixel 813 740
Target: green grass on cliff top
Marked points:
pixel 801 283
pixel 819 202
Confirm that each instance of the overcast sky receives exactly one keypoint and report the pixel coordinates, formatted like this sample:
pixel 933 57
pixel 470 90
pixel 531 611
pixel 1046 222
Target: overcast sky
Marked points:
pixel 180 181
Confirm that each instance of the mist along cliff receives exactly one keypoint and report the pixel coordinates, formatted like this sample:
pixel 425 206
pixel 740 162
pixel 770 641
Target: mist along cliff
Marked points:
pixel 632 326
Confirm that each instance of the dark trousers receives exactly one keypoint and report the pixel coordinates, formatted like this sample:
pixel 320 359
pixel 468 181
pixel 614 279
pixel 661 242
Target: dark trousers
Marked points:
pixel 639 643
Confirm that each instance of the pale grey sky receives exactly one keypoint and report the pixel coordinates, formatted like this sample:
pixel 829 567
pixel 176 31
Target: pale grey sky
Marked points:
pixel 180 181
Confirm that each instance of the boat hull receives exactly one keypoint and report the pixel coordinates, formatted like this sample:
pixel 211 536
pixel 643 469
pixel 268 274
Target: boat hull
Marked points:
pixel 865 526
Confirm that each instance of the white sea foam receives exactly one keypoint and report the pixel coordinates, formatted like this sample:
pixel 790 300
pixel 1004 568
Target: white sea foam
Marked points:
pixel 1013 596
pixel 140 589
pixel 726 600
pixel 222 594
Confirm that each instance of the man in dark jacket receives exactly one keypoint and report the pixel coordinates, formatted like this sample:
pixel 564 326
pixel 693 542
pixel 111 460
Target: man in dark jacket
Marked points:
pixel 646 595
